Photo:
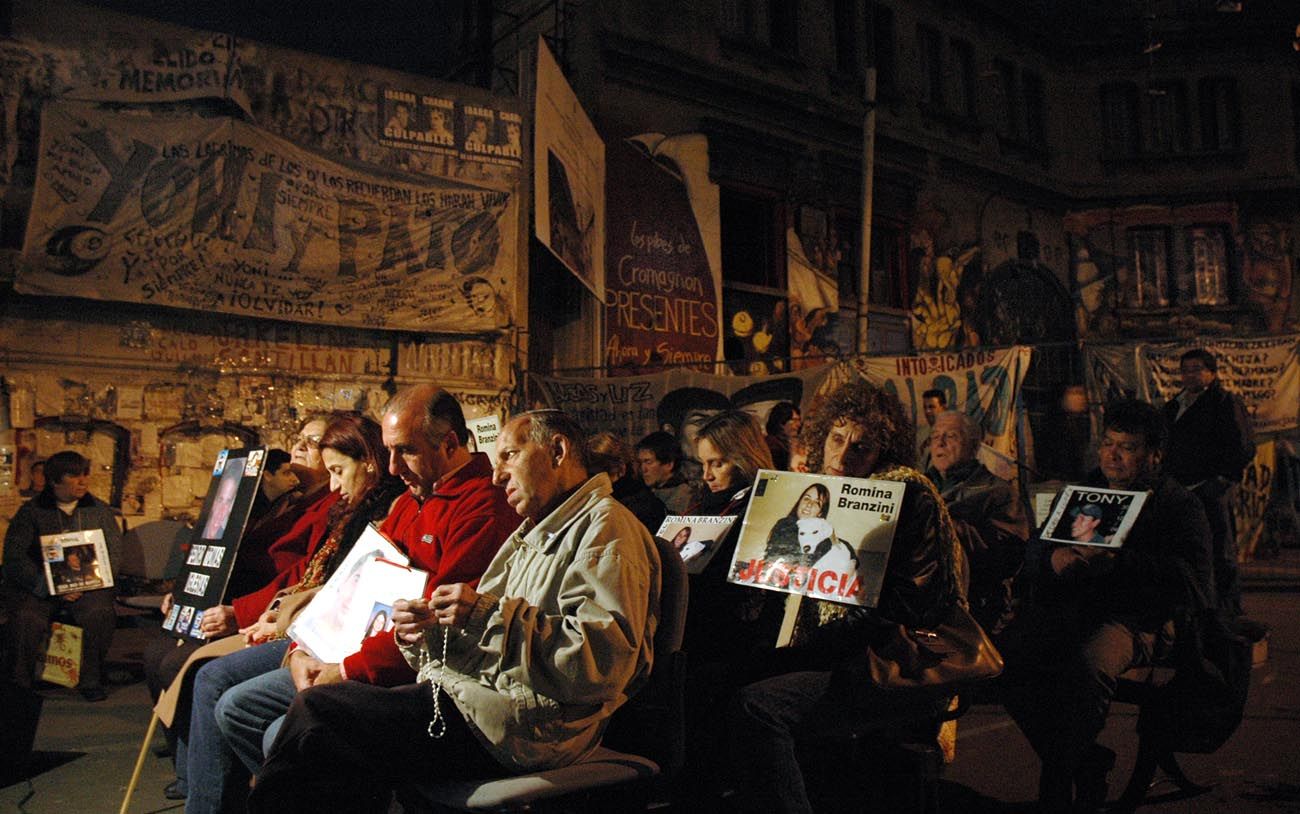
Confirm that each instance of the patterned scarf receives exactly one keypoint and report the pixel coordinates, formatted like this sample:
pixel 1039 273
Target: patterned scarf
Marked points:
pixel 318 567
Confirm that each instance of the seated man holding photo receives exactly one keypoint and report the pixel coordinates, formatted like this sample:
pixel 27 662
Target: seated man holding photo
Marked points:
pixel 64 505
pixel 519 674
pixel 1100 611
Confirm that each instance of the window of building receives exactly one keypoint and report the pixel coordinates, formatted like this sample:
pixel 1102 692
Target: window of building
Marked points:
pixel 1166 121
pixel 1207 246
pixel 1031 85
pixel 889 282
pixel 845 245
pixel 882 48
pixel 1145 283
pixel 1220 114
pixel 846 37
pixel 1119 118
pixel 769 23
pixel 753 238
pixel 963 78
pixel 930 46
pixel 1008 107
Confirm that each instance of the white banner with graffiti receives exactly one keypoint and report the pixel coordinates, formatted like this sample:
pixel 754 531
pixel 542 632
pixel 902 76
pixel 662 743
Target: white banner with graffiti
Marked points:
pixel 1265 372
pixel 1250 502
pixel 215 214
pixel 985 384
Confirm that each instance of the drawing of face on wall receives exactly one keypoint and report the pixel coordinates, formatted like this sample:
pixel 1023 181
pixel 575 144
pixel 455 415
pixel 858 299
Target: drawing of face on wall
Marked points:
pixel 480 295
pixel 74 250
pixel 1267 272
pixel 1092 293
pixel 475 243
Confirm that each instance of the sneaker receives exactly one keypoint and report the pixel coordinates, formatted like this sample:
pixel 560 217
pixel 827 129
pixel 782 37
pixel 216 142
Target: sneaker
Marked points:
pixel 174 791
pixel 93 694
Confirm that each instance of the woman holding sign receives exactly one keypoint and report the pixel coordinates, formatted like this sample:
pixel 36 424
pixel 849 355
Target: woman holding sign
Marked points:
pixel 354 455
pixel 857 431
pixel 64 505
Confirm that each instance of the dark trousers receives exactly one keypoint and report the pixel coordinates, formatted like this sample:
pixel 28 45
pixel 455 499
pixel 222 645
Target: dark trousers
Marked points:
pixel 164 656
pixel 346 746
pixel 29 621
pixel 768 718
pixel 1059 693
pixel 1218 510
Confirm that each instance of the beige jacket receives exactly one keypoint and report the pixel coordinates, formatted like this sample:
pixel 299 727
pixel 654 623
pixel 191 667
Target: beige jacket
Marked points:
pixel 561 635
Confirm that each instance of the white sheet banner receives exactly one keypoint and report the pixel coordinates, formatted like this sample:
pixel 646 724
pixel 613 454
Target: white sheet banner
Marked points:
pixel 217 215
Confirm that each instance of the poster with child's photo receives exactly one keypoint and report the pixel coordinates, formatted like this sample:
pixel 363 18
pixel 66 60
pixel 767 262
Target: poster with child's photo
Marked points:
pixel 696 538
pixel 1084 515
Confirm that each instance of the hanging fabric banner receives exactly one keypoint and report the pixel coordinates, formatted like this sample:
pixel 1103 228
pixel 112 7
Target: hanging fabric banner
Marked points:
pixel 1265 372
pixel 984 384
pixel 217 215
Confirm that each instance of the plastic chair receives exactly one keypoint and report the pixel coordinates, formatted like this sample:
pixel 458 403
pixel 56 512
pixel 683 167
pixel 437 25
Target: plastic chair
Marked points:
pixel 643 748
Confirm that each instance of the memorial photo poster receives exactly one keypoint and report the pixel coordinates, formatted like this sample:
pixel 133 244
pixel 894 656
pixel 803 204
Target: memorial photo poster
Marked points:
pixel 695 537
pixel 207 556
pixel 76 561
pixel 1085 515
pixel 817 535
pixel 357 597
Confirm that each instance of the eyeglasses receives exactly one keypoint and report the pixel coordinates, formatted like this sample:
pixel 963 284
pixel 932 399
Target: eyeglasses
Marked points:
pixel 310 440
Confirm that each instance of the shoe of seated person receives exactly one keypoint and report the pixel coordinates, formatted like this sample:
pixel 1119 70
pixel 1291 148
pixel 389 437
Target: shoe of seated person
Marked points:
pixel 1090 785
pixel 173 791
pixel 93 694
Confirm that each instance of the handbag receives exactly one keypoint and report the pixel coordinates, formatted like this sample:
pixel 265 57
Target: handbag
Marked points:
pixel 956 651
pixel 61 658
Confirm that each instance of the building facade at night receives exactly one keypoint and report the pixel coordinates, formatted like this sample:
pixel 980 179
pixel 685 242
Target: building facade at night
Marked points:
pixel 1041 175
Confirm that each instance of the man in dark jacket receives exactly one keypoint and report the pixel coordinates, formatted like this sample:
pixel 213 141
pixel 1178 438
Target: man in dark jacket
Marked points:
pixel 990 517
pixel 1100 611
pixel 1209 447
pixel 65 505
pixel 610 454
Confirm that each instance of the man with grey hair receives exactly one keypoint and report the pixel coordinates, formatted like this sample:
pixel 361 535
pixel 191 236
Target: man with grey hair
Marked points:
pixel 990 517
pixel 518 674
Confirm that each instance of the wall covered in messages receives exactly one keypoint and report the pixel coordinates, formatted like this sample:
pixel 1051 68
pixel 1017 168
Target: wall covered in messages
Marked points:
pixel 151 398
pixel 151 394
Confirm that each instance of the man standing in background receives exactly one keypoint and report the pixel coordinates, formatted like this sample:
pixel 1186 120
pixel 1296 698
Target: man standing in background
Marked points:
pixel 1209 447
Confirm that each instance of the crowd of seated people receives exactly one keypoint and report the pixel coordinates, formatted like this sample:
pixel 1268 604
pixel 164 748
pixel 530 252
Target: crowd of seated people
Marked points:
pixel 539 614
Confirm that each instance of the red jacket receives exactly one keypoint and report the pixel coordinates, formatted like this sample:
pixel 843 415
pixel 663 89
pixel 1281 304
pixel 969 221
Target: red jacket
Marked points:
pixel 305 537
pixel 453 535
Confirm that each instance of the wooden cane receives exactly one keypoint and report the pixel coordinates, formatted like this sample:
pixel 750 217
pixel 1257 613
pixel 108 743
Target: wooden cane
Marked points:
pixel 139 763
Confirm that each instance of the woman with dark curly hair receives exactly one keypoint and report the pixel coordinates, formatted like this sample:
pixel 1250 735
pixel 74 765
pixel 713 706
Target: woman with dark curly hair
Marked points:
pixel 858 431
